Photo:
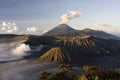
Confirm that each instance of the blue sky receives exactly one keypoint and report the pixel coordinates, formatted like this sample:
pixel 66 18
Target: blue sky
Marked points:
pixel 45 14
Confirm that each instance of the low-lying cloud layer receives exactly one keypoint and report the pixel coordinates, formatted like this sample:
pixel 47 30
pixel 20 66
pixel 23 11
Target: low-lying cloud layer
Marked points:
pixel 67 17
pixel 13 51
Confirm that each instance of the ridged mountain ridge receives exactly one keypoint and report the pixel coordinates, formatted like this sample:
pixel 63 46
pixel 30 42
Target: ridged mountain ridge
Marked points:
pixel 56 54
pixel 75 47
pixel 66 30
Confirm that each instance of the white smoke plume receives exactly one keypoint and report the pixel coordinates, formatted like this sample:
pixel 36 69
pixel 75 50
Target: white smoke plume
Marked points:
pixel 13 51
pixel 31 29
pixel 66 17
pixel 21 49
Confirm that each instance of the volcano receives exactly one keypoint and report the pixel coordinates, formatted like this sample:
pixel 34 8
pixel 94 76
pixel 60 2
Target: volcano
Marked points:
pixel 68 44
pixel 66 30
pixel 74 48
pixel 62 30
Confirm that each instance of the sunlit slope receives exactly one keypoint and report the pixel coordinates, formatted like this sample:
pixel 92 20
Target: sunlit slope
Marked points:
pixel 56 54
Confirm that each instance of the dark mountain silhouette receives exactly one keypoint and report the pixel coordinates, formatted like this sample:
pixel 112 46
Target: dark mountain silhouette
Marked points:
pixel 69 48
pixel 75 48
pixel 7 38
pixel 62 30
pixel 66 30
pixel 100 34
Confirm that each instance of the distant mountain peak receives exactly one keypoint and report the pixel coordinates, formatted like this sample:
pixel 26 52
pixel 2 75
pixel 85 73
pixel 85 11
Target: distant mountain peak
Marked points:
pixel 65 26
pixel 62 25
pixel 61 30
pixel 66 30
pixel 87 29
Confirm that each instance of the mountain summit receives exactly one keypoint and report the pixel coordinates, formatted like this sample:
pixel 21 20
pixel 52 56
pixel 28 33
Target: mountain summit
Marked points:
pixel 64 26
pixel 62 30
pixel 66 30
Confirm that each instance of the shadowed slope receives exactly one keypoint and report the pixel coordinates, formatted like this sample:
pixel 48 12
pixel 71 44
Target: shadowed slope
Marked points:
pixel 78 47
pixel 62 30
pixel 84 45
pixel 100 34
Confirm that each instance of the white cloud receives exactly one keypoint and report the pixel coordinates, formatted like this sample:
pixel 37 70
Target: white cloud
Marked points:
pixel 12 28
pixel 31 29
pixel 13 24
pixel 66 17
pixel 45 31
pixel 8 27
pixel 75 14
pixel 9 31
pixel 4 24
pixel 3 28
pixel 15 28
